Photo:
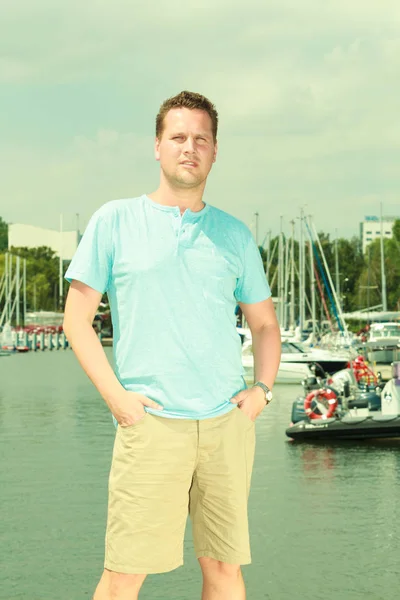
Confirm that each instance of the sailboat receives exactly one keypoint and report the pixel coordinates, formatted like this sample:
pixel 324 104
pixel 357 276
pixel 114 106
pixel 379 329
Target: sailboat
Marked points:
pixel 7 342
pixel 297 358
pixel 383 342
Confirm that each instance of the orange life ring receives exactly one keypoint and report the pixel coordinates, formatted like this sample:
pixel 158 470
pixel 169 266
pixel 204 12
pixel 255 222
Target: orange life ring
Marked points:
pixel 329 395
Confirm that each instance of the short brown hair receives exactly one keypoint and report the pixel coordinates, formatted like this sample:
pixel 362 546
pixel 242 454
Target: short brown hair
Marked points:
pixel 189 100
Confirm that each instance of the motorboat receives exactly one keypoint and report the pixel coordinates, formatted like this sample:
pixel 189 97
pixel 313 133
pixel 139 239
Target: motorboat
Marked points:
pixel 339 341
pixel 292 373
pixel 383 342
pixel 296 360
pixel 331 362
pixel 288 372
pixel 332 414
pixel 348 427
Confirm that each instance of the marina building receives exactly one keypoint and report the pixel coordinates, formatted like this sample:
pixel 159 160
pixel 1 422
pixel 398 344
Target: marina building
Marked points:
pixel 370 229
pixel 31 236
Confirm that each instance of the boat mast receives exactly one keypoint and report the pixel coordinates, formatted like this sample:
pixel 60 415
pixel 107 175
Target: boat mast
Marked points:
pixel 268 254
pixel 60 283
pixel 337 269
pixel 7 283
pixel 286 242
pixel 281 276
pixel 369 280
pixel 301 274
pixel 18 266
pixel 340 313
pixel 10 269
pixel 24 292
pixel 383 275
pixel 269 263
pixel 312 280
pixel 292 288
pixel 256 215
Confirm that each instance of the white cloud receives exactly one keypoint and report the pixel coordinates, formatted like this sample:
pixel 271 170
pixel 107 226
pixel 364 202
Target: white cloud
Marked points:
pixel 307 94
pixel 57 41
pixel 85 175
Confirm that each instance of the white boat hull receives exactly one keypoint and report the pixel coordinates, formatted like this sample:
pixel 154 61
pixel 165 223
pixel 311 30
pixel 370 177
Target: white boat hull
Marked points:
pixel 288 372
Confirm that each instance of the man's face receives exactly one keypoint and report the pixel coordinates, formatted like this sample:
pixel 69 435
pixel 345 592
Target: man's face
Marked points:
pixel 186 149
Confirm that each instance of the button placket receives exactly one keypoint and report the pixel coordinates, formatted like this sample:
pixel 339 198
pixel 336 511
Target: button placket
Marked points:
pixel 183 231
pixel 183 225
pixel 177 222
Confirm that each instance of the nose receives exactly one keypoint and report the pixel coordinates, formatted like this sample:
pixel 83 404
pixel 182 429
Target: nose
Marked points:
pixel 189 145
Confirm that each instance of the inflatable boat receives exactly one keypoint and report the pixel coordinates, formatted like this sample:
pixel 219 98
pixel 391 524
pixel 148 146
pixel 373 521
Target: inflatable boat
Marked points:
pixel 347 427
pixel 346 412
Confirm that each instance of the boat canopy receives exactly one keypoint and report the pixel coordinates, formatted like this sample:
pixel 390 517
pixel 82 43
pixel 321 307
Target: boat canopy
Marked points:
pixel 375 316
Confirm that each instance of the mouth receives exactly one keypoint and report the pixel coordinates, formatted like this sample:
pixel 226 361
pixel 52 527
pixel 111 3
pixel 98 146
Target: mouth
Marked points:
pixel 189 163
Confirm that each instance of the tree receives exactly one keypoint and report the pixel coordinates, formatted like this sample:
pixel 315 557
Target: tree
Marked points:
pixel 392 270
pixel 371 273
pixel 39 253
pixel 42 276
pixel 3 235
pixel 351 264
pixel 396 230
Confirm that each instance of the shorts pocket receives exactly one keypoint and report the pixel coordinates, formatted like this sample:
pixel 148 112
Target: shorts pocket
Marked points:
pixel 245 417
pixel 135 424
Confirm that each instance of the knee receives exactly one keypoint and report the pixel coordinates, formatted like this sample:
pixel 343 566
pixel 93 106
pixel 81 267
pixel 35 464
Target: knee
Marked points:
pixel 119 584
pixel 217 569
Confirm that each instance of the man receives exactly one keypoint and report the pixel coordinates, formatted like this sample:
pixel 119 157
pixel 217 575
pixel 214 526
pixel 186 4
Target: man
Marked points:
pixel 174 269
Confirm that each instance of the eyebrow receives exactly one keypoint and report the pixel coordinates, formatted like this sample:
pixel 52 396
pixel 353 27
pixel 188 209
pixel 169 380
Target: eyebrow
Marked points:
pixel 202 134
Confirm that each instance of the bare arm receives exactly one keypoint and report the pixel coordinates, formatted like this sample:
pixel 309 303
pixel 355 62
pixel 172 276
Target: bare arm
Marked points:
pixel 266 337
pixel 80 309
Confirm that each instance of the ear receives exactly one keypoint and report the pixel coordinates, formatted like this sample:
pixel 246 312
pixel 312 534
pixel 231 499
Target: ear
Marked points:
pixel 215 151
pixel 157 149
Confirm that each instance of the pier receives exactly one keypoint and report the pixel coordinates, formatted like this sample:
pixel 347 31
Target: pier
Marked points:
pixel 30 339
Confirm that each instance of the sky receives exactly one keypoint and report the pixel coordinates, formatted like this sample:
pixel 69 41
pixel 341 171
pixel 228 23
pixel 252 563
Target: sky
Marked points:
pixel 307 94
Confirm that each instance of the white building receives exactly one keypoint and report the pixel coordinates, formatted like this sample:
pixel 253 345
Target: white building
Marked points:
pixel 30 236
pixel 370 229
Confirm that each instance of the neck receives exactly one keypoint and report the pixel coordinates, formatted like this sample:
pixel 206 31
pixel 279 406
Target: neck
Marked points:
pixel 184 198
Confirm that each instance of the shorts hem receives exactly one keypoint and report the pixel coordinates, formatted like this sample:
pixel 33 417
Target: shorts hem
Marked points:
pixel 230 560
pixel 140 569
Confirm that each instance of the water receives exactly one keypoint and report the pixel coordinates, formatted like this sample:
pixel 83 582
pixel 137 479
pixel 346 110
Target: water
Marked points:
pixel 324 519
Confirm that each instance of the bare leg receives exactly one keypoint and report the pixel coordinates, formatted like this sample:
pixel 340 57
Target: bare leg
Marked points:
pixel 118 586
pixel 221 581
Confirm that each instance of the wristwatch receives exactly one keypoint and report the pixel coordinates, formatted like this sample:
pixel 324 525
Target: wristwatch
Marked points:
pixel 266 390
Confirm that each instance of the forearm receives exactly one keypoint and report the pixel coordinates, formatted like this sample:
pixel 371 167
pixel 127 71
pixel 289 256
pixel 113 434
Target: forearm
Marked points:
pixel 267 354
pixel 92 358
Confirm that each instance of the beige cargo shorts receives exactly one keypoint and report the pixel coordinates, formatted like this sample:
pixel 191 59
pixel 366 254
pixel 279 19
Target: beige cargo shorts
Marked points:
pixel 164 469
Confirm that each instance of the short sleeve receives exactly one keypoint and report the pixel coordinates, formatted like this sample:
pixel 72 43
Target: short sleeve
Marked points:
pixel 92 261
pixel 252 286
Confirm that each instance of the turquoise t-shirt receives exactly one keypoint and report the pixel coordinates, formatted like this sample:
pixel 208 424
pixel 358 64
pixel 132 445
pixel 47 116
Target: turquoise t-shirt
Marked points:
pixel 173 282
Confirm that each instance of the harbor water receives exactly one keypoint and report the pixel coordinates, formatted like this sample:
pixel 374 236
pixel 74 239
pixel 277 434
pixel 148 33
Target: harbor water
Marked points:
pixel 324 518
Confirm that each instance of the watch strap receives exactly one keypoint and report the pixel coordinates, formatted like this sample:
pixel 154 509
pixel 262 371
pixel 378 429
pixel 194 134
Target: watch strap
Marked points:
pixel 266 390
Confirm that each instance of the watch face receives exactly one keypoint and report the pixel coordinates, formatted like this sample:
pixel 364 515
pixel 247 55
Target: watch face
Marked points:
pixel 268 396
